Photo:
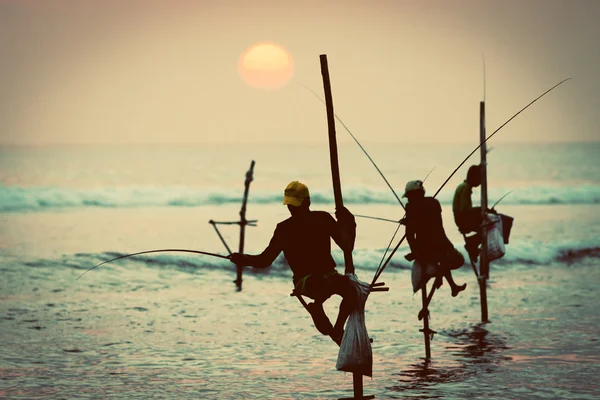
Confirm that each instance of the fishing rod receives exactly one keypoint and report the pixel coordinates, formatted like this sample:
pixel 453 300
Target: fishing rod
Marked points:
pixel 156 251
pixel 387 219
pixel 378 273
pixel 502 198
pixel 357 142
pixel 496 131
pixel 397 229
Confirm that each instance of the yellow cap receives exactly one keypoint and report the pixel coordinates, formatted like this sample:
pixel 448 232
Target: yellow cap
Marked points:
pixel 294 193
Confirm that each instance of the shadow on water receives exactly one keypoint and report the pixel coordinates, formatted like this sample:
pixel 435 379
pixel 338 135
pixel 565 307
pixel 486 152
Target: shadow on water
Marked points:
pixel 468 353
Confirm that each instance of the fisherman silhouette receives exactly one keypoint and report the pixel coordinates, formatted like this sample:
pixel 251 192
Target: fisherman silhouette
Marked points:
pixel 427 238
pixel 468 218
pixel 305 241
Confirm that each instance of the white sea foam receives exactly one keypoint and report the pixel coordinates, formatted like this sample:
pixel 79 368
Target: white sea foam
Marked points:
pixel 14 198
pixel 518 254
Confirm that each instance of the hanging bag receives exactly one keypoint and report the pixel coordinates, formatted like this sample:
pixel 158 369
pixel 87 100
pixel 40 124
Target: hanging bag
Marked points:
pixel 355 353
pixel 495 238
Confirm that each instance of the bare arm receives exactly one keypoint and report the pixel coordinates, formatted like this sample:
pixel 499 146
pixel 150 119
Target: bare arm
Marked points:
pixel 344 229
pixel 262 260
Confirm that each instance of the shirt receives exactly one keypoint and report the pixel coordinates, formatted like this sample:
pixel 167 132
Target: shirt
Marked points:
pixel 425 229
pixel 305 242
pixel 462 202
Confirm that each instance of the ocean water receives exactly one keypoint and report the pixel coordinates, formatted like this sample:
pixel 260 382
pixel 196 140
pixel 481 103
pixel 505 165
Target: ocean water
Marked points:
pixel 171 325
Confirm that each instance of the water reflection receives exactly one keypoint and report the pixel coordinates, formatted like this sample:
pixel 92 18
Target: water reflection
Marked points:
pixel 468 352
pixel 477 345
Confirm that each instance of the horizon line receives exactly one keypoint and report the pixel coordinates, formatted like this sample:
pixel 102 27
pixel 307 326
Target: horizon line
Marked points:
pixel 263 142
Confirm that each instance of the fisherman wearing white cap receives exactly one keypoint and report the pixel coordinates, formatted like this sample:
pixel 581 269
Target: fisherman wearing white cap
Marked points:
pixel 426 236
pixel 305 239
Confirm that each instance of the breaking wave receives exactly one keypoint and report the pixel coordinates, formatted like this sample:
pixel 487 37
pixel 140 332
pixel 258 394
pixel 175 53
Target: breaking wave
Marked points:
pixel 14 198
pixel 518 254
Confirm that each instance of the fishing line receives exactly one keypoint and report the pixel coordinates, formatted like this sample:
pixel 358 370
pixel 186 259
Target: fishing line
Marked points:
pixel 378 170
pixel 464 161
pixel 387 219
pixel 357 142
pixel 156 251
pixel 377 218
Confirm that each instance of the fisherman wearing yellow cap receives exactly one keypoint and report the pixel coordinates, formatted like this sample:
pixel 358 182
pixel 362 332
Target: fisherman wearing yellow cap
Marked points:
pixel 427 238
pixel 305 241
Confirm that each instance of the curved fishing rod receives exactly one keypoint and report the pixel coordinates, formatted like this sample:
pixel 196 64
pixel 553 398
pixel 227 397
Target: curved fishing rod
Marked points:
pixel 502 198
pixel 357 142
pixel 429 173
pixel 156 251
pixel 378 273
pixel 493 133
pixel 396 231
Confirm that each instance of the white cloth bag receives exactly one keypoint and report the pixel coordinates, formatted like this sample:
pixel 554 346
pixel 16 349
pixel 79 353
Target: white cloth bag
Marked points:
pixel 421 273
pixel 495 238
pixel 355 353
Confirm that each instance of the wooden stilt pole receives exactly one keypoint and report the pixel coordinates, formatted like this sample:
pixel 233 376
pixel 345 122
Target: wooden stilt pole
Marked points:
pixel 484 268
pixel 337 187
pixel 425 308
pixel 425 311
pixel 243 223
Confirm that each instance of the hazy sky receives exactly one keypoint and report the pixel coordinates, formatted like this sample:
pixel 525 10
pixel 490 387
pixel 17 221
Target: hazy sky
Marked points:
pixel 146 71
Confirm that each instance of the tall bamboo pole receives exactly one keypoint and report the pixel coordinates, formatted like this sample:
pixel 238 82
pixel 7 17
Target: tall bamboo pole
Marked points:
pixel 425 311
pixel 337 187
pixel 483 262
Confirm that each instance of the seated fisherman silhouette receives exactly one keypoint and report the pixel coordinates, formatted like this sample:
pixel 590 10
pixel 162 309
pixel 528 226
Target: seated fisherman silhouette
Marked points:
pixel 305 241
pixel 427 238
pixel 468 218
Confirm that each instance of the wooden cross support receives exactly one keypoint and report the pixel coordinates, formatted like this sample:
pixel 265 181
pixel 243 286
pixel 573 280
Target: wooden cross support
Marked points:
pixel 243 222
pixel 215 223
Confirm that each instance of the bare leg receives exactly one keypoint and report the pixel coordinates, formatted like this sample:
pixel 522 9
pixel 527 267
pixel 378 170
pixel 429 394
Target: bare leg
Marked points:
pixel 319 317
pixel 345 310
pixel 348 293
pixel 456 289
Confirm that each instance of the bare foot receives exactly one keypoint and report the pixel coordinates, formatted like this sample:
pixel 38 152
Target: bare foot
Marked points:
pixel 457 289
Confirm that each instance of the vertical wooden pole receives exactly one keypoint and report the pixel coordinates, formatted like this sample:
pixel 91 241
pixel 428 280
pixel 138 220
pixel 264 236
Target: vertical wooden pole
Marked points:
pixel 333 153
pixel 243 223
pixel 425 319
pixel 357 386
pixel 337 187
pixel 484 269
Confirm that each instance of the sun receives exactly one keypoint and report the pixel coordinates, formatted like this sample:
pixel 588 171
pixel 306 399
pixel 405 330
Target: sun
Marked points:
pixel 266 65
